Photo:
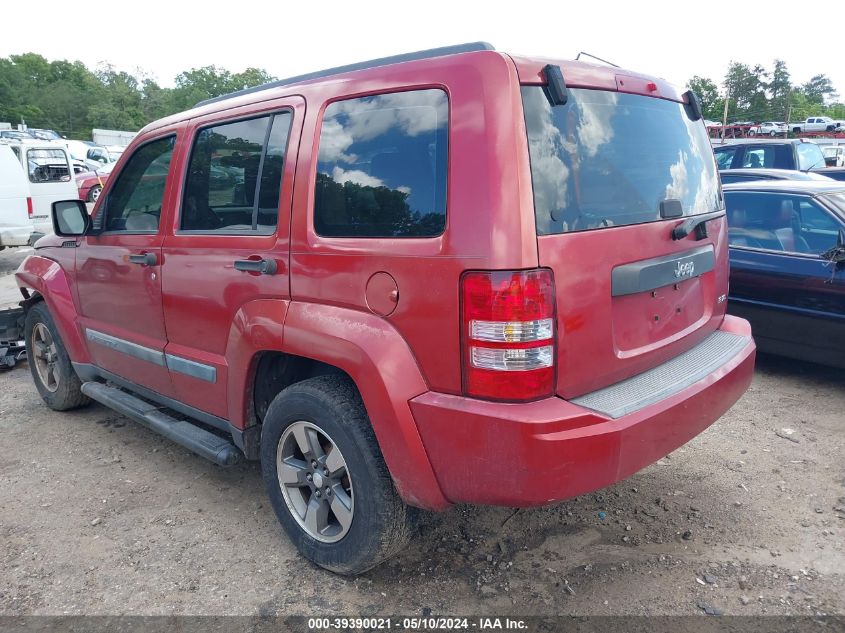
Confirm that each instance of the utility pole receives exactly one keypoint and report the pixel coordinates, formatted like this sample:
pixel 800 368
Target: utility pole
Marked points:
pixel 788 118
pixel 725 114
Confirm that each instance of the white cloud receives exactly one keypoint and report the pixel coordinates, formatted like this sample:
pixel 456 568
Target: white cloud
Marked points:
pixel 357 176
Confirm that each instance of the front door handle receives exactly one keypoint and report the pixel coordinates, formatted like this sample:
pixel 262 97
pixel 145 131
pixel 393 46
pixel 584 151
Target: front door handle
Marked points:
pixel 261 266
pixel 144 259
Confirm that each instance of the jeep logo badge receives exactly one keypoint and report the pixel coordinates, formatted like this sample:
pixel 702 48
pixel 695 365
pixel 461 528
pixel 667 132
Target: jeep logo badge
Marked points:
pixel 684 269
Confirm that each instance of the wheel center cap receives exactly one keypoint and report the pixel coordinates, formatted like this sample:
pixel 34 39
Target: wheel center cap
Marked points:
pixel 318 480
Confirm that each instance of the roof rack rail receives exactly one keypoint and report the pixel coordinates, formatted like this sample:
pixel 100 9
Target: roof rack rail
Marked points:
pixel 373 63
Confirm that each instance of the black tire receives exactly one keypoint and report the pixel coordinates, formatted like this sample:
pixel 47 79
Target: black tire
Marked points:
pixel 381 524
pixel 67 393
pixel 94 193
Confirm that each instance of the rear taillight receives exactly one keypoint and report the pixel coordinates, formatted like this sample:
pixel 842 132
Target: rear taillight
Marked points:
pixel 508 334
pixel 29 210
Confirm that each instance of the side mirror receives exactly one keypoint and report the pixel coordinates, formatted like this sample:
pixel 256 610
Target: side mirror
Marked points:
pixel 70 218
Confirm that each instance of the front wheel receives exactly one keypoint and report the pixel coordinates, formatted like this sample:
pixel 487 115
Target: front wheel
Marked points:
pixel 52 372
pixel 94 194
pixel 327 480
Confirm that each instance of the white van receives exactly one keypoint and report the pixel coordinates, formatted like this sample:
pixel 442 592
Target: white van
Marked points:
pixel 15 225
pixel 48 169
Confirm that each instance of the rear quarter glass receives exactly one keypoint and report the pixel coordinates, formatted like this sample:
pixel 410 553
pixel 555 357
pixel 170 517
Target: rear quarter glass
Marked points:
pixel 382 166
pixel 609 159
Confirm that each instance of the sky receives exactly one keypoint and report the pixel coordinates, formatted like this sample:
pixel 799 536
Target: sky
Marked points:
pixel 673 40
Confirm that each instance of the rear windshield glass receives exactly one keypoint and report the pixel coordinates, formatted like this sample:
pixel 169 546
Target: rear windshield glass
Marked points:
pixel 610 159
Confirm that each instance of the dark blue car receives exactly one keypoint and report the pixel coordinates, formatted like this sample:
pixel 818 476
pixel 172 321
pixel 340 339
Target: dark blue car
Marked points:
pixel 788 266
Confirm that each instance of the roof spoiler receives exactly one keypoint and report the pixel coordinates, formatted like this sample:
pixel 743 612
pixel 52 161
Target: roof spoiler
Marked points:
pixel 556 90
pixel 692 106
pixel 373 63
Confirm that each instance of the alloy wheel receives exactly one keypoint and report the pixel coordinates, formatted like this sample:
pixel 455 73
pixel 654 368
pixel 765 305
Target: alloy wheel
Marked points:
pixel 46 357
pixel 315 482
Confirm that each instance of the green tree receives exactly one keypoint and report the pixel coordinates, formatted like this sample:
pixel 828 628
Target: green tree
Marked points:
pixel 712 102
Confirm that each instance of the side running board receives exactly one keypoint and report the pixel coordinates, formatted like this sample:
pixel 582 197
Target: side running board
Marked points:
pixel 191 436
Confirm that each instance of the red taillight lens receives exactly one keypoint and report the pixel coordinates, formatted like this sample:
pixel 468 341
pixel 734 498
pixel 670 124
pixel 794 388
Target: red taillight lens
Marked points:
pixel 29 210
pixel 508 334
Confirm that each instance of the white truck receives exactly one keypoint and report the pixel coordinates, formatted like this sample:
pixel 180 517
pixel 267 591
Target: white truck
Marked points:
pixel 112 137
pixel 816 124
pixel 48 168
pixel 16 228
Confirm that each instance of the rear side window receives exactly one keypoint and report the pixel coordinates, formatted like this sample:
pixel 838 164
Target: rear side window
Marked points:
pixel 382 166
pixel 610 159
pixel 134 202
pixel 235 175
pixel 810 156
pixel 47 165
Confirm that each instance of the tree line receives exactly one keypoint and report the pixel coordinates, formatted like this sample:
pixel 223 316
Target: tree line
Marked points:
pixel 71 99
pixel 756 93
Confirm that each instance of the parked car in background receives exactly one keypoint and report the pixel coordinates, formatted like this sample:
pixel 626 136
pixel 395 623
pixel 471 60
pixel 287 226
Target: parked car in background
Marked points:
pixel 770 128
pixel 729 176
pixel 834 155
pixel 794 154
pixel 15 135
pixel 45 135
pixel 94 156
pixel 261 276
pixel 16 227
pixel 48 168
pixel 91 183
pixel 783 237
pixel 816 124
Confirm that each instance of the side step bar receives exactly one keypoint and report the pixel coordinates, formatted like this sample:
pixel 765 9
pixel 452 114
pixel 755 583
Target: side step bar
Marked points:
pixel 192 437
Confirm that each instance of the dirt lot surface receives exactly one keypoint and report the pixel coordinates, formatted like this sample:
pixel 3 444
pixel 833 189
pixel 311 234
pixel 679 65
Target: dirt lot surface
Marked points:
pixel 99 515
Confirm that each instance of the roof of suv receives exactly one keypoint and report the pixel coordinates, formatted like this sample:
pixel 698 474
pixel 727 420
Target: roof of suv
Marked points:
pixel 577 74
pixel 808 187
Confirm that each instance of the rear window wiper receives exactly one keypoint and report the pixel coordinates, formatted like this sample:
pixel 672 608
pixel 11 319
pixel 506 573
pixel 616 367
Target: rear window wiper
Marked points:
pixel 697 223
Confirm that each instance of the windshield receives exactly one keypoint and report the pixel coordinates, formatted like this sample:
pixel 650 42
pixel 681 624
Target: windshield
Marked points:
pixel 837 200
pixel 610 159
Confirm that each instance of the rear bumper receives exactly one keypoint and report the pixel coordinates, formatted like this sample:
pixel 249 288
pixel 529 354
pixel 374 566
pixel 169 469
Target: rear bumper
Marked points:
pixel 546 451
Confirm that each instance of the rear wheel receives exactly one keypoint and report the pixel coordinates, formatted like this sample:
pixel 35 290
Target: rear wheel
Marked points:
pixel 94 193
pixel 327 480
pixel 49 363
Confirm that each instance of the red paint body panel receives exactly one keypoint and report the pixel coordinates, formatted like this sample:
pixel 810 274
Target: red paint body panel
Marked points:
pixel 440 447
pixel 199 278
pixel 618 337
pixel 546 451
pixel 50 279
pixel 378 359
pixel 489 182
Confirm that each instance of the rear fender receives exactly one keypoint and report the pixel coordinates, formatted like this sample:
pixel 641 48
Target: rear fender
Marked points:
pixel 370 351
pixel 50 281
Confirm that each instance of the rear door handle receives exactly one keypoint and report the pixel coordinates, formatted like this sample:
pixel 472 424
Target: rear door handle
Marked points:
pixel 261 266
pixel 144 259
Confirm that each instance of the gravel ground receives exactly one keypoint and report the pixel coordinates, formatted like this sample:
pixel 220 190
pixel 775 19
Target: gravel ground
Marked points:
pixel 100 516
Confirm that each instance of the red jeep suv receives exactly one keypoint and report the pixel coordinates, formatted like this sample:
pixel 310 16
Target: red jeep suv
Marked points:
pixel 455 276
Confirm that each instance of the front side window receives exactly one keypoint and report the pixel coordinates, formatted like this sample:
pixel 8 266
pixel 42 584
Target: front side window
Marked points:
pixel 134 202
pixel 783 223
pixel 47 165
pixel 382 166
pixel 610 159
pixel 235 176
pixel 810 156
